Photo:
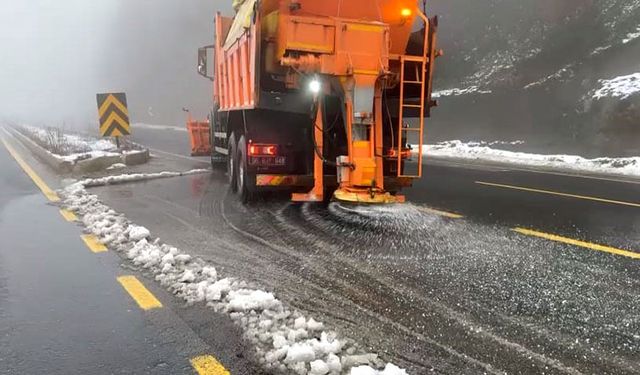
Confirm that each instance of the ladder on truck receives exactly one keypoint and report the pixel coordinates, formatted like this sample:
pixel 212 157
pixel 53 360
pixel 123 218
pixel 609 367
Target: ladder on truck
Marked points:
pixel 420 77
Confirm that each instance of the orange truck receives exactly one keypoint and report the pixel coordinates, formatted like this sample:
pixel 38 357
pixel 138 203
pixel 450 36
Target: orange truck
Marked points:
pixel 320 98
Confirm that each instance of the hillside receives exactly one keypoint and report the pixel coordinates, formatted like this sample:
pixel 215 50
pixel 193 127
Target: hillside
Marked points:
pixel 558 75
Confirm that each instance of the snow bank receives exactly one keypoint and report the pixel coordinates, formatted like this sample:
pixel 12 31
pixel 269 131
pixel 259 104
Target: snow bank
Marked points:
pixel 285 341
pixel 480 151
pixel 620 87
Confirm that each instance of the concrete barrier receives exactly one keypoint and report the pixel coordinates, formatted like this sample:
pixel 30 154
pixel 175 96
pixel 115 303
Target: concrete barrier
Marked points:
pixel 96 164
pixel 52 160
pixel 135 157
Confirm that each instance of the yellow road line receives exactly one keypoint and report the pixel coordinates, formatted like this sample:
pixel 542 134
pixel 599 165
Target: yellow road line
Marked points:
pixel 570 241
pixel 93 243
pixel 207 365
pixel 46 190
pixel 441 213
pixel 139 293
pixel 596 199
pixel 68 215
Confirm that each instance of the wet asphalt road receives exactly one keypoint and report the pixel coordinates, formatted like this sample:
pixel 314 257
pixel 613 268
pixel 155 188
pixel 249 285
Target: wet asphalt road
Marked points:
pixel 432 293
pixel 62 310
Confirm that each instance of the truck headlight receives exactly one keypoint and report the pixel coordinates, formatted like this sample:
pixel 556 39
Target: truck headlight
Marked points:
pixel 315 86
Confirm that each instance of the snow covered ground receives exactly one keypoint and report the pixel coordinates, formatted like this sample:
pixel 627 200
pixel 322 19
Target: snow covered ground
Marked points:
pixel 620 87
pixel 482 151
pixel 286 341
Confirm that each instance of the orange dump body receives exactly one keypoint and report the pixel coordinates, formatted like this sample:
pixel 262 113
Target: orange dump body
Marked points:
pixel 235 83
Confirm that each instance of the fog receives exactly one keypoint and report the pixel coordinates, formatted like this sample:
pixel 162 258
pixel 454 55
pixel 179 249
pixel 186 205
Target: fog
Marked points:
pixel 58 54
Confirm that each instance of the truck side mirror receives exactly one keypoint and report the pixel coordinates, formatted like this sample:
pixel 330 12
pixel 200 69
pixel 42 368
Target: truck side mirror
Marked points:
pixel 204 68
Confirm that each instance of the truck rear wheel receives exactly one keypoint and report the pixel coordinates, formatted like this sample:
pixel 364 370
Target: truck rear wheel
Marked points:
pixel 232 162
pixel 245 179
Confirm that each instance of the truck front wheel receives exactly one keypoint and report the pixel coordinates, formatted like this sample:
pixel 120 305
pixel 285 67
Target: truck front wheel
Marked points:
pixel 232 162
pixel 245 179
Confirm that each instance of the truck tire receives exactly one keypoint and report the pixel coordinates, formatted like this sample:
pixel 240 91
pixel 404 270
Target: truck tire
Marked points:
pixel 232 164
pixel 245 179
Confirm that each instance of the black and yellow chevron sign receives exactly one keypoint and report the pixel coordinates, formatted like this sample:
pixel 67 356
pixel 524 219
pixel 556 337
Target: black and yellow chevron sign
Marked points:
pixel 114 115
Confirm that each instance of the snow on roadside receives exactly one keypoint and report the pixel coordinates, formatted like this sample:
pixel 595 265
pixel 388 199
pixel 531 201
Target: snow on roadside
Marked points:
pixel 479 151
pixel 620 87
pixel 285 341
pixel 458 92
pixel 81 147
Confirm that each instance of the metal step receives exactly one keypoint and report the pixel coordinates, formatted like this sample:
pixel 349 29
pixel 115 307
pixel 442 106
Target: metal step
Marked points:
pixel 417 59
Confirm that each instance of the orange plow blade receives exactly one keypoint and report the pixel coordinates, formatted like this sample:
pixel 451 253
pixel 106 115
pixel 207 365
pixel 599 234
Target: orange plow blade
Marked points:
pixel 200 139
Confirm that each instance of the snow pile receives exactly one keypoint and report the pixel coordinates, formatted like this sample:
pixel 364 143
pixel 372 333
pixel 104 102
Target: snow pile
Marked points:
pixel 620 87
pixel 458 92
pixel 285 341
pixel 479 151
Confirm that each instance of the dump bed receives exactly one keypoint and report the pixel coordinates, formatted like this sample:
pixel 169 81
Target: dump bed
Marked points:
pixel 253 43
pixel 236 59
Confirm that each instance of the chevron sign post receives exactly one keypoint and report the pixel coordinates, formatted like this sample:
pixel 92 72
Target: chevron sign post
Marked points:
pixel 114 115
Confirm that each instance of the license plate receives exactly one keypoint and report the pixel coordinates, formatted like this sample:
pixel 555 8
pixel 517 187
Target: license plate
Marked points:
pixel 268 160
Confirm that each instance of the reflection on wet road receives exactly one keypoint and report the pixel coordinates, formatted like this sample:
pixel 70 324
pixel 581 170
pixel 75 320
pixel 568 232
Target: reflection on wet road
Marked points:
pixel 68 307
pixel 61 311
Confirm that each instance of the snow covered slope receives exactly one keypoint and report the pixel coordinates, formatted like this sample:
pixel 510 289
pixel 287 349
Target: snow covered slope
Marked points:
pixel 562 75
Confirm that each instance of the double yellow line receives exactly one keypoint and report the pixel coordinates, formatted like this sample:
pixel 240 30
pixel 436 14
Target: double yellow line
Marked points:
pixel 560 194
pixel 203 365
pixel 566 240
